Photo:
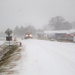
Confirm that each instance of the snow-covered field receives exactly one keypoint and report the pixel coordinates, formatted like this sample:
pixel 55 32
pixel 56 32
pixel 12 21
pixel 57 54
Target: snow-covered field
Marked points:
pixel 41 57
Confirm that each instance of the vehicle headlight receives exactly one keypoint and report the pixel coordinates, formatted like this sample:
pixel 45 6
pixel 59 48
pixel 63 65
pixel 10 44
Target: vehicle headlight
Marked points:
pixel 30 35
pixel 26 35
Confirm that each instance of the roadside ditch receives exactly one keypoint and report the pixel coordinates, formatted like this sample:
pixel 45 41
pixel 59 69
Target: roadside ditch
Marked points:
pixel 8 59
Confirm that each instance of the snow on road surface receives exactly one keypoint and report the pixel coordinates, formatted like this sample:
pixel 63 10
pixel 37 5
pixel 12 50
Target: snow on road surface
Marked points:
pixel 40 57
pixel 47 58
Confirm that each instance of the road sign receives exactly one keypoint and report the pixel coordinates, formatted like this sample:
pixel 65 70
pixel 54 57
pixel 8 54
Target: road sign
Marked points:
pixel 8 31
pixel 8 38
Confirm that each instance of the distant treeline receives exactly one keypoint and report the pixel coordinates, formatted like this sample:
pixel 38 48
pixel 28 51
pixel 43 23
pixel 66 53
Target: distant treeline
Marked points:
pixel 55 23
pixel 59 23
pixel 20 31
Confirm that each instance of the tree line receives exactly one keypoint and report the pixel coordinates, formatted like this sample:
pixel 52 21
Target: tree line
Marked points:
pixel 55 23
pixel 21 31
pixel 59 23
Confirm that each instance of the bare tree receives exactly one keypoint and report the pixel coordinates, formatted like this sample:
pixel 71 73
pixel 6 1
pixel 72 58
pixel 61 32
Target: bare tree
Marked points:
pixel 59 23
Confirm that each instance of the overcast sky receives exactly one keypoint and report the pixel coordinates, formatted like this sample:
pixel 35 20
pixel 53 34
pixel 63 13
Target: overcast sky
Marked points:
pixel 34 12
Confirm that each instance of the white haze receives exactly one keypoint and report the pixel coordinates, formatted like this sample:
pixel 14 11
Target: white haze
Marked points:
pixel 34 12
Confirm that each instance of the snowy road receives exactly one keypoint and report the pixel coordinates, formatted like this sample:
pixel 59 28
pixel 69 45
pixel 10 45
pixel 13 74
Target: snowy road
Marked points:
pixel 47 58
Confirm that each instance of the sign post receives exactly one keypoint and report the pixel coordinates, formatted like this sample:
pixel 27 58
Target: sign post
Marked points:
pixel 8 38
